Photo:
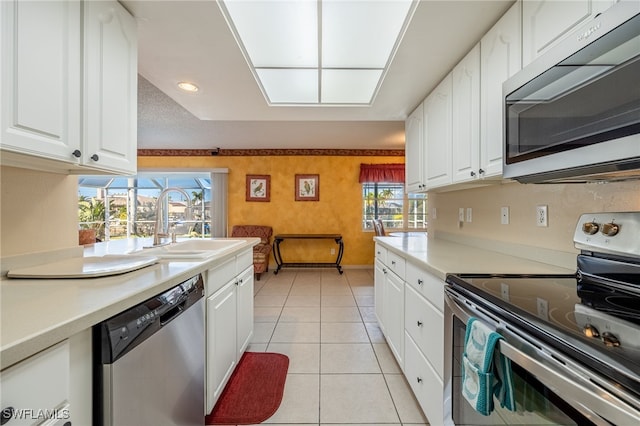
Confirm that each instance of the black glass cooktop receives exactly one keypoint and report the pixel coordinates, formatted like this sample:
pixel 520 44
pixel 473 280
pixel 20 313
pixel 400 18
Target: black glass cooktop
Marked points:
pixel 551 308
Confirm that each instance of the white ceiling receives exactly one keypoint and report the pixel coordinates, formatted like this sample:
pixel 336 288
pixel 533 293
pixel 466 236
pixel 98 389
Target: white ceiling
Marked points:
pixel 190 41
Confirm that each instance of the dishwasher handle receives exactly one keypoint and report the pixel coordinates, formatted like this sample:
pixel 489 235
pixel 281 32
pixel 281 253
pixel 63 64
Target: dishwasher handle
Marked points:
pixel 172 313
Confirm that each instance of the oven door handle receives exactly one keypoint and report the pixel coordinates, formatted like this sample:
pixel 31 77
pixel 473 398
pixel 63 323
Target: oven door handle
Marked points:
pixel 558 373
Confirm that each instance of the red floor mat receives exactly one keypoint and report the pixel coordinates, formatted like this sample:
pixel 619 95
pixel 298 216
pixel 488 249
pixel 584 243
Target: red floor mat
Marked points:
pixel 254 391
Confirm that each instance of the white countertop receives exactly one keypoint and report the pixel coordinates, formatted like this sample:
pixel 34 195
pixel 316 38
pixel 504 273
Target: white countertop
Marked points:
pixel 37 313
pixel 441 257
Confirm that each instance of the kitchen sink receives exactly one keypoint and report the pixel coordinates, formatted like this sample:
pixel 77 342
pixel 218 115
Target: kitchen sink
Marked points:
pixel 191 249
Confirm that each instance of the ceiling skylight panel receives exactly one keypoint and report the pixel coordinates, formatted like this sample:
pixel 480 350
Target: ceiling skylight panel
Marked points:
pixel 349 86
pixel 280 33
pixel 361 33
pixel 289 86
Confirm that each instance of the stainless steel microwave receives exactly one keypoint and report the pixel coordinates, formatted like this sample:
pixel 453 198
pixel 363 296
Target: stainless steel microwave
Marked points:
pixel 573 115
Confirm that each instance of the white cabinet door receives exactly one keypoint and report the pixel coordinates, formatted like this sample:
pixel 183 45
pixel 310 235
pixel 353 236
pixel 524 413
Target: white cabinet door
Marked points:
pixel 414 152
pixel 465 132
pixel 221 314
pixel 427 386
pixel 244 285
pixel 394 315
pixel 425 325
pixel 40 382
pixel 111 87
pixel 437 130
pixel 500 58
pixel 41 78
pixel 546 22
pixel 378 291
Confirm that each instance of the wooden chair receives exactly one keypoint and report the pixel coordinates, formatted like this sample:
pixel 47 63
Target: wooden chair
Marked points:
pixel 378 227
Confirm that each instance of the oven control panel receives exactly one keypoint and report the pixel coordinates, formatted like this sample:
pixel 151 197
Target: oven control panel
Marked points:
pixel 615 233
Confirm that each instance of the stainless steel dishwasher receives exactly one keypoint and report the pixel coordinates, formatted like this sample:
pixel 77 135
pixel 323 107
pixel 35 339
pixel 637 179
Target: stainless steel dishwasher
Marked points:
pixel 149 361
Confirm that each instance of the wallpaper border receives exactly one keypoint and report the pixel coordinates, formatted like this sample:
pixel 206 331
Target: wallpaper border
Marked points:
pixel 269 152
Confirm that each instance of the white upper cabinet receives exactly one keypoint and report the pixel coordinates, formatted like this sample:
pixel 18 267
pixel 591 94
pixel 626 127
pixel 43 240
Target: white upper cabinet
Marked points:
pixel 546 22
pixel 415 175
pixel 69 86
pixel 41 78
pixel 500 58
pixel 437 132
pixel 465 130
pixel 111 85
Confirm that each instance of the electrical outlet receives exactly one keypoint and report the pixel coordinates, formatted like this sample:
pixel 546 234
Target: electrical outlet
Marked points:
pixel 469 214
pixel 543 309
pixel 541 216
pixel 504 215
pixel 504 291
pixel 461 214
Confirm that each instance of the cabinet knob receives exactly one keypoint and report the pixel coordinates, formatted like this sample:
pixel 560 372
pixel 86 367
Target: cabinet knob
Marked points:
pixel 419 323
pixel 481 171
pixel 76 153
pixel 419 379
pixel 393 262
pixel 472 173
pixel 420 282
pixel 6 415
pixel 384 270
pixel 95 157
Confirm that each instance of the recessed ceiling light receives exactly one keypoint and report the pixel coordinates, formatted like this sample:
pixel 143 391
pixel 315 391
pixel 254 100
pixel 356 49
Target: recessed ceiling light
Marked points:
pixel 188 87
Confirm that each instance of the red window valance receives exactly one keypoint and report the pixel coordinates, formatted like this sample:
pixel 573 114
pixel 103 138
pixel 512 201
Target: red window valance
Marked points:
pixel 391 173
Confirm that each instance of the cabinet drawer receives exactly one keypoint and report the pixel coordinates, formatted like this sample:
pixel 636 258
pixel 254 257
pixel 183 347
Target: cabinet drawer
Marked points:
pixel 23 386
pixel 425 383
pixel 381 253
pixel 427 285
pixel 425 324
pixel 396 264
pixel 244 260
pixel 220 275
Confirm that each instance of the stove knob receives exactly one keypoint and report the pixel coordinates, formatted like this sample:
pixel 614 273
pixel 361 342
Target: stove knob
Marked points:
pixel 590 331
pixel 610 340
pixel 610 229
pixel 590 228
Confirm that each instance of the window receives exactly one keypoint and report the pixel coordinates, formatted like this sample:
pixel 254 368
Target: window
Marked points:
pixel 383 197
pixel 125 207
pixel 388 201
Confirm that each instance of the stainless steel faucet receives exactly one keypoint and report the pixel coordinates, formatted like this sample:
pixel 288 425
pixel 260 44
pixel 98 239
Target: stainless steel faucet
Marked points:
pixel 161 230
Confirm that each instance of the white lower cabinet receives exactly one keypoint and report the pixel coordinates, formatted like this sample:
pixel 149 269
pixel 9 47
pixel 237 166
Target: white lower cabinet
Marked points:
pixel 245 309
pixel 229 321
pixel 37 389
pixel 394 315
pixel 221 340
pixel 389 299
pixel 409 305
pixel 426 384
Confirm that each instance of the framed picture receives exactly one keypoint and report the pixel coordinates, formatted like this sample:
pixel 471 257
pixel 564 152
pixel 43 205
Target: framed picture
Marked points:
pixel 258 188
pixel 307 187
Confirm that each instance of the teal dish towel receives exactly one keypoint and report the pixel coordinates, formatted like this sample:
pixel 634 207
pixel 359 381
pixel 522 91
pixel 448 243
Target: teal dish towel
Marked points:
pixel 485 371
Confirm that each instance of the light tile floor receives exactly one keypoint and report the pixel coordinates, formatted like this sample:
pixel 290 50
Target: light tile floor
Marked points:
pixel 341 371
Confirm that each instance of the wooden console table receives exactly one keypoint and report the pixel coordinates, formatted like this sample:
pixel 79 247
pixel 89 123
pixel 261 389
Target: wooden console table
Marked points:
pixel 280 238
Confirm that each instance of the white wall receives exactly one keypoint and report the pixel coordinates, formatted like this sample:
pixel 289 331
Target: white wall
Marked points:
pixel 38 211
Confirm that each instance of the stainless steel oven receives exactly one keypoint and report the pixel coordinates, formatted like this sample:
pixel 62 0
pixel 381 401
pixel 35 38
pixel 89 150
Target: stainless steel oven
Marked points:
pixel 573 114
pixel 573 340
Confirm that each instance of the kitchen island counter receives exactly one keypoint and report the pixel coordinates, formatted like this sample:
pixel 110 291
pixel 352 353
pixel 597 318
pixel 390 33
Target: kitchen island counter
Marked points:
pixel 38 313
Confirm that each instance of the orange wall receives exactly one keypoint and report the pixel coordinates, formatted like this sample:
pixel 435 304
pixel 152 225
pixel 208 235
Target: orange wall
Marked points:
pixel 338 211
